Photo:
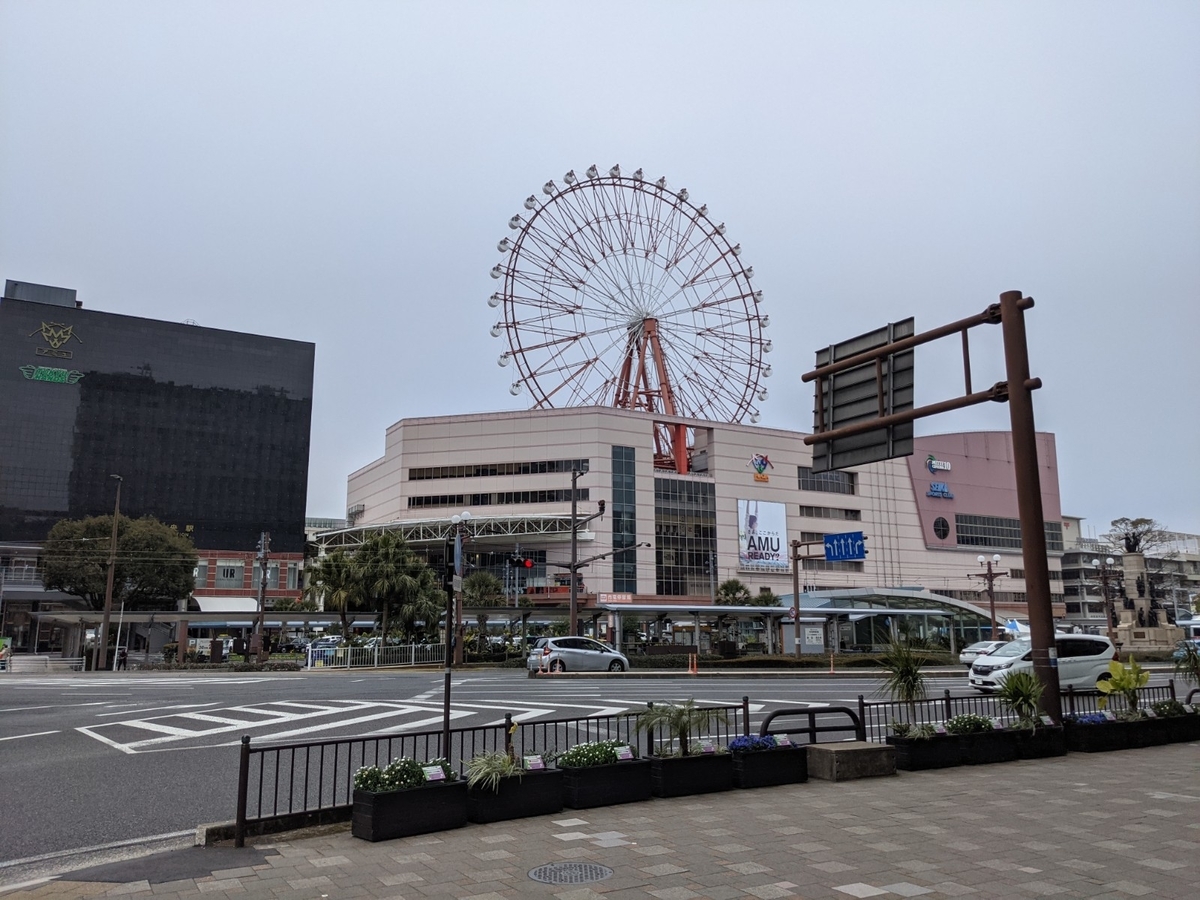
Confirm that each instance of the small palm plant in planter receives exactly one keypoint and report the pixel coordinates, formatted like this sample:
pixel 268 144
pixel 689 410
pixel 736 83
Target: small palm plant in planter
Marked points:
pixel 678 766
pixel 406 797
pixel 905 680
pixel 1020 693
pixel 603 773
pixel 765 761
pixel 498 788
pixel 1125 682
pixel 981 740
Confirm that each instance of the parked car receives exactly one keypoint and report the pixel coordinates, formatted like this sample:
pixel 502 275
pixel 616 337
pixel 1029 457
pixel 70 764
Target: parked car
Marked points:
pixel 326 643
pixel 1179 648
pixel 976 650
pixel 575 654
pixel 1082 661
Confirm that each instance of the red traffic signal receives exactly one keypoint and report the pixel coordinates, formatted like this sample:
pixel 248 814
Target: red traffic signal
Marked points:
pixel 520 562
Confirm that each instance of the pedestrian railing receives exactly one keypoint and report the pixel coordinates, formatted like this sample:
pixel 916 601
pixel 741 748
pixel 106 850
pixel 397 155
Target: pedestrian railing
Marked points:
pixel 374 657
pixel 26 663
pixel 283 786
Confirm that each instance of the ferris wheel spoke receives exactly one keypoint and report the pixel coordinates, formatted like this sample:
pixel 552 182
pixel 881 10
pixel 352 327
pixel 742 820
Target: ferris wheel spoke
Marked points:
pixel 566 236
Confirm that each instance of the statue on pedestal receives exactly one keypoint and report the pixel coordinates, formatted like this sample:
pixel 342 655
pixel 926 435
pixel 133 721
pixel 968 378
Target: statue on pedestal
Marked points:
pixel 1141 586
pixel 1141 618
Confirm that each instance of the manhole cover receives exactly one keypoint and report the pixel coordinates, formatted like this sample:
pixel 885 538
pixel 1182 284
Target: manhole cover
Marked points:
pixel 570 873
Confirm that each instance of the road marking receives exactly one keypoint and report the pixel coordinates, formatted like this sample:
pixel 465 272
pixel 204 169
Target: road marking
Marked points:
pixel 58 854
pixel 122 712
pixel 17 737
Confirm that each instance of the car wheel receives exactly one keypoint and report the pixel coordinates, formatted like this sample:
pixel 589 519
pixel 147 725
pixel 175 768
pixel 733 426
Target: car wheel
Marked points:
pixel 557 666
pixel 1105 676
pixel 616 666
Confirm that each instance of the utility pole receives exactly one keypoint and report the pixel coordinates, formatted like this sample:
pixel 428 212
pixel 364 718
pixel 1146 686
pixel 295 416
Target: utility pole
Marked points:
pixel 448 585
pixel 1106 572
pixel 256 642
pixel 573 629
pixel 712 577
pixel 100 660
pixel 990 577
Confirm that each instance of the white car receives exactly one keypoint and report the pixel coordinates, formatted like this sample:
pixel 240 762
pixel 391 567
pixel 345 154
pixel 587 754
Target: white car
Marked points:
pixel 575 654
pixel 1082 661
pixel 976 650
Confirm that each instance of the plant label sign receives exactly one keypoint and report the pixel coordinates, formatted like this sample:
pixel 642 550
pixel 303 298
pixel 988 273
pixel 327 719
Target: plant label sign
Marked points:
pixel 624 752
pixel 1151 714
pixel 997 725
pixel 533 763
pixel 939 729
pixel 1188 708
pixel 1109 715
pixel 1046 720
pixel 433 773
pixel 783 741
pixel 707 747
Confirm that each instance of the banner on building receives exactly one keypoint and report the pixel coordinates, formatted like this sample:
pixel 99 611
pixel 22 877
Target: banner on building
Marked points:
pixel 762 535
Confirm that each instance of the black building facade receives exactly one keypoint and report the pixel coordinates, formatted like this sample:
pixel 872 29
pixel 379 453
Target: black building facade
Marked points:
pixel 208 429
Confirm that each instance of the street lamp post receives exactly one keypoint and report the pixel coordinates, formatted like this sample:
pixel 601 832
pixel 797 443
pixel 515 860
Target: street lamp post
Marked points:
pixel 990 577
pixel 452 581
pixel 574 605
pixel 100 660
pixel 1106 572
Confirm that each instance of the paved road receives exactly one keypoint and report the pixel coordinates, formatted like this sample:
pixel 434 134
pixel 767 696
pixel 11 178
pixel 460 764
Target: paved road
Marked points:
pixel 94 759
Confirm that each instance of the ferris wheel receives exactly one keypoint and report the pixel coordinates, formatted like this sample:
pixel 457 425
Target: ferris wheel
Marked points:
pixel 618 291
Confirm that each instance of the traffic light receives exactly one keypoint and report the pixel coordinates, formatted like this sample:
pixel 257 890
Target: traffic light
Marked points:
pixel 448 570
pixel 516 561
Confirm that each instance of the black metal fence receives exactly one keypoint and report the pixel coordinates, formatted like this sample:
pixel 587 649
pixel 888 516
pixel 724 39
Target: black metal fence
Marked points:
pixel 283 786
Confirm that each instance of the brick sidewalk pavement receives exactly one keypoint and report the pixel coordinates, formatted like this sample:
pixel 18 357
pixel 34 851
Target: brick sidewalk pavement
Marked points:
pixel 1113 826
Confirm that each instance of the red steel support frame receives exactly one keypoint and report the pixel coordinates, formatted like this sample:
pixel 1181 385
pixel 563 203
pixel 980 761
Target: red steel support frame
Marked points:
pixel 634 391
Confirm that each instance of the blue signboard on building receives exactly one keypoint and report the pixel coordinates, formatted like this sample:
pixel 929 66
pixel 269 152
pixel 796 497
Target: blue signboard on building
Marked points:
pixel 847 546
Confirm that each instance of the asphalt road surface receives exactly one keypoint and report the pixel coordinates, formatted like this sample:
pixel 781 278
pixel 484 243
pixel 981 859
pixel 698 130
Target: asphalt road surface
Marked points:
pixel 92 760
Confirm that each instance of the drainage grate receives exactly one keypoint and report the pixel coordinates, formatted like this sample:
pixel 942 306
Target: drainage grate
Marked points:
pixel 570 873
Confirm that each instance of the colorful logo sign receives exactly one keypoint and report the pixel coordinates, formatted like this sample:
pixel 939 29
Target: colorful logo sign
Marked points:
pixel 939 489
pixel 51 374
pixel 55 334
pixel 935 465
pixel 760 463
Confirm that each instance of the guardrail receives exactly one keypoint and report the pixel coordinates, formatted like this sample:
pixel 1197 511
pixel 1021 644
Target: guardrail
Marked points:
pixel 21 662
pixel 876 716
pixel 814 714
pixel 374 657
pixel 283 786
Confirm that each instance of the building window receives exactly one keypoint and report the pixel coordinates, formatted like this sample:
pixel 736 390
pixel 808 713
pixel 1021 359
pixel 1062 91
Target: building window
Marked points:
pixel 486 470
pixel 821 565
pixel 293 576
pixel 685 533
pixel 828 482
pixel 1020 573
pixel 229 574
pixel 272 577
pixel 624 520
pixel 202 575
pixel 498 498
pixel 825 512
pixel 941 528
pixel 994 531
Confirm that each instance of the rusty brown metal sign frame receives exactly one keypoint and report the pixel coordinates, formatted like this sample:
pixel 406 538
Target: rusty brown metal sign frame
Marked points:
pixel 1017 390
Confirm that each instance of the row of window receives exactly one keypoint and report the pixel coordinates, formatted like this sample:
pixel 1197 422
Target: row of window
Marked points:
pixel 1020 573
pixel 231 575
pixel 484 470
pixel 835 482
pixel 624 520
pixel 498 498
pixel 996 531
pixel 685 525
pixel 825 512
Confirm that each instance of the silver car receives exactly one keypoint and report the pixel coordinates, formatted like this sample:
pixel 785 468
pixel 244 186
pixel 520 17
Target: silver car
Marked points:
pixel 575 654
pixel 983 648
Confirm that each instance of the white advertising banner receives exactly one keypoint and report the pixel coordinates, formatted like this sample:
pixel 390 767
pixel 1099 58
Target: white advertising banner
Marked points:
pixel 762 535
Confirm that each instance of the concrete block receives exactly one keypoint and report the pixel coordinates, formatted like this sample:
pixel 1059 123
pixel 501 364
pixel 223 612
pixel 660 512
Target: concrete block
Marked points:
pixel 849 760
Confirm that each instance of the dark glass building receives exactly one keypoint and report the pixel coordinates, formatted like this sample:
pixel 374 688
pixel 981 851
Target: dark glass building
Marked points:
pixel 209 429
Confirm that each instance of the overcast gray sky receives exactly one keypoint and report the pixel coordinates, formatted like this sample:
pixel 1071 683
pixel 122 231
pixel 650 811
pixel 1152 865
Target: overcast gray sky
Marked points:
pixel 341 173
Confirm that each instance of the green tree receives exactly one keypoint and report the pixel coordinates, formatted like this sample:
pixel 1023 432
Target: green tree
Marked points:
pixel 733 593
pixel 399 582
pixel 155 564
pixel 766 598
pixel 332 579
pixel 483 589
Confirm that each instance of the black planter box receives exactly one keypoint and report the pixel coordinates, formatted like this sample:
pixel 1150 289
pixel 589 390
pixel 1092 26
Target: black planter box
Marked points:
pixel 537 793
pixel 938 752
pixel 585 787
pixel 1183 729
pixel 392 814
pixel 1099 738
pixel 1148 732
pixel 1042 742
pixel 700 773
pixel 989 747
pixel 766 768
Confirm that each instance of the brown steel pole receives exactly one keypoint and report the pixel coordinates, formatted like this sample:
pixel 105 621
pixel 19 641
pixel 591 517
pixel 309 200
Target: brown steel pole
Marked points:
pixel 992 597
pixel 1029 499
pixel 101 657
pixel 572 628
pixel 796 595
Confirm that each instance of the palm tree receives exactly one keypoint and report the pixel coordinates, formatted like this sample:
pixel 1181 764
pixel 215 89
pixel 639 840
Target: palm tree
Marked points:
pixel 482 589
pixel 389 571
pixel 733 593
pixel 333 578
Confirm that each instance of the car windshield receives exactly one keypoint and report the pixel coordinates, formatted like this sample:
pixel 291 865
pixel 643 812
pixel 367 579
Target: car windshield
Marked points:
pixel 1012 648
pixel 982 645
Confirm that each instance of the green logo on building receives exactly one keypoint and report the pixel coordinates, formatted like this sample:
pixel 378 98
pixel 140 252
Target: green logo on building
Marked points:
pixel 49 373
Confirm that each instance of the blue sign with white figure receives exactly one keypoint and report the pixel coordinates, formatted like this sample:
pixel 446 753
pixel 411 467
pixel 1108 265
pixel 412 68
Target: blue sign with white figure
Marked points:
pixel 841 547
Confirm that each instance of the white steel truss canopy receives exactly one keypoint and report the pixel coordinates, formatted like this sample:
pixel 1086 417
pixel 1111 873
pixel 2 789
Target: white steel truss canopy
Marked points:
pixel 503 529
